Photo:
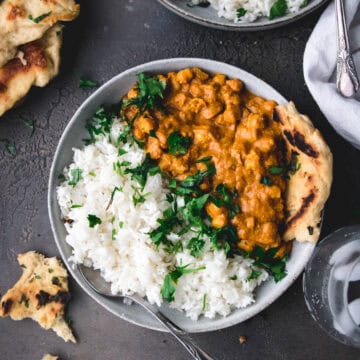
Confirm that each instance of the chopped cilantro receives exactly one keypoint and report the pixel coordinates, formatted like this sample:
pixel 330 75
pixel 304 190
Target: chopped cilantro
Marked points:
pixel 76 176
pixel 112 196
pixel 196 246
pixel 121 224
pixel 278 9
pixel 204 303
pixel 234 277
pixel 31 125
pixel 266 181
pixel 39 18
pixel 93 220
pixel 254 275
pixel 75 206
pixel 276 170
pixel 122 152
pixel 99 124
pixel 141 172
pixel 84 83
pixel 138 197
pixel 240 12
pixel 150 92
pixel 10 147
pixel 178 144
pixel 113 234
pixel 170 280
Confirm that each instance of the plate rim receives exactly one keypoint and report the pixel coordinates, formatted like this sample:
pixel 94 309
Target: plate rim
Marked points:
pixel 61 243
pixel 242 27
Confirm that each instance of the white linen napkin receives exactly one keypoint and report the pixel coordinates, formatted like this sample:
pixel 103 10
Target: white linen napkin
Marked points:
pixel 320 71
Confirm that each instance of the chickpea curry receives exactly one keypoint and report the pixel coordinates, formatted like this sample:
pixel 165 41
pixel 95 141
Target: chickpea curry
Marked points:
pixel 208 122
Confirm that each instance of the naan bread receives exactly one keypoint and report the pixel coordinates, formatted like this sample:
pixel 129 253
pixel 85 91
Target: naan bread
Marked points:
pixel 41 293
pixel 37 63
pixel 309 188
pixel 24 21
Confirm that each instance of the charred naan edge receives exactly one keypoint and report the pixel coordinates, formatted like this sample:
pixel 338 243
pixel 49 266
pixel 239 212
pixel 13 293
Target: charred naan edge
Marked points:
pixel 17 28
pixel 37 63
pixel 41 293
pixel 309 188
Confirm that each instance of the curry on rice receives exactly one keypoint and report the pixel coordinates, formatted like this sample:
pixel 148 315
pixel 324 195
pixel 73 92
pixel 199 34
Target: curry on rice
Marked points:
pixel 212 117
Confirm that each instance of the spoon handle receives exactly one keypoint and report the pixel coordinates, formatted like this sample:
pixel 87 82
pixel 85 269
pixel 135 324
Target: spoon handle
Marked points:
pixel 181 335
pixel 347 79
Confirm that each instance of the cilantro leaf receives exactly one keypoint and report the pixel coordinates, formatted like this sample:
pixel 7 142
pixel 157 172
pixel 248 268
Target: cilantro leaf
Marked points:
pixel 278 9
pixel 240 12
pixel 39 18
pixel 196 246
pixel 76 176
pixel 254 275
pixel 276 170
pixel 151 91
pixel 99 124
pixel 168 289
pixel 84 83
pixel 141 172
pixel 93 220
pixel 266 181
pixel 31 125
pixel 178 144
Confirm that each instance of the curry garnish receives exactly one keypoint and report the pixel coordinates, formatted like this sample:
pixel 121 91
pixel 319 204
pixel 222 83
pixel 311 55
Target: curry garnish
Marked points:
pixel 240 12
pixel 76 176
pixel 170 280
pixel 31 125
pixel 196 246
pixel 100 124
pixel 39 18
pixel 86 83
pixel 266 181
pixel 10 147
pixel 93 220
pixel 178 144
pixel 254 275
pixel 141 172
pixel 112 196
pixel 278 9
pixel 150 92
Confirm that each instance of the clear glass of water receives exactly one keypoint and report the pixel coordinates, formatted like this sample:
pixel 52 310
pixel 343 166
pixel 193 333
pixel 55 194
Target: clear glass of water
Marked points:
pixel 331 285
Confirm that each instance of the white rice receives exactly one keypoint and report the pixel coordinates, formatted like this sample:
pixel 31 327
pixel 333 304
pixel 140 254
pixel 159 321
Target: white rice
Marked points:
pixel 130 262
pixel 254 8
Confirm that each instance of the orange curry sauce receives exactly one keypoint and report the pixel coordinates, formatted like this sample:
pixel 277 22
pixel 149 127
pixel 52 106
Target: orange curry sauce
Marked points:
pixel 235 128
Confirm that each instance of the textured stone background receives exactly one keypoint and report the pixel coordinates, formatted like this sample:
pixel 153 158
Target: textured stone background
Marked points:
pixel 109 37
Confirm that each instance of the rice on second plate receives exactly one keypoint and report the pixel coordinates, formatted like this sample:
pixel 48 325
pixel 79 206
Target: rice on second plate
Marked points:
pixel 252 9
pixel 118 244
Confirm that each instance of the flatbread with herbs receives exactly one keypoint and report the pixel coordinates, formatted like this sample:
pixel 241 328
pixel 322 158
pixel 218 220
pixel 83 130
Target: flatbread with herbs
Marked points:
pixel 309 186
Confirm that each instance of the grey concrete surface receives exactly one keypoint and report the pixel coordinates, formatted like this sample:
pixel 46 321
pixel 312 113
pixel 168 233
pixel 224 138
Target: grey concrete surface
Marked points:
pixel 109 37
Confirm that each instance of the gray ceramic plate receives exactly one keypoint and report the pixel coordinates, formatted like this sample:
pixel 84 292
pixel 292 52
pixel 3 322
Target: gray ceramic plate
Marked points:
pixel 110 93
pixel 208 16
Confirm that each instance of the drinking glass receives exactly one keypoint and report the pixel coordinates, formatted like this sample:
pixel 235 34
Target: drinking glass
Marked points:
pixel 334 269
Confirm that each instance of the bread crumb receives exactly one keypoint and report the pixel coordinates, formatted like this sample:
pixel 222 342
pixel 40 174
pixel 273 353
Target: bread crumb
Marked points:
pixel 242 339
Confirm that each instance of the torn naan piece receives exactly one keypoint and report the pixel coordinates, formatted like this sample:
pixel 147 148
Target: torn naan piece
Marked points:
pixel 36 64
pixel 24 21
pixel 41 293
pixel 309 186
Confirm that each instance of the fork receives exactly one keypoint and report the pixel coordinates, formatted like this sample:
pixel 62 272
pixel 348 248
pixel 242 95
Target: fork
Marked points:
pixel 95 281
pixel 347 79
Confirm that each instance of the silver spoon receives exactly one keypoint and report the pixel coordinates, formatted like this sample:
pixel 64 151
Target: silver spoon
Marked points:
pixel 347 79
pixel 97 283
